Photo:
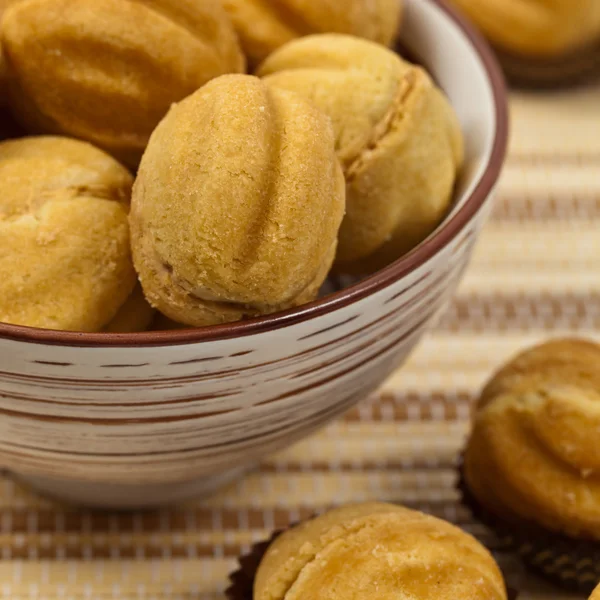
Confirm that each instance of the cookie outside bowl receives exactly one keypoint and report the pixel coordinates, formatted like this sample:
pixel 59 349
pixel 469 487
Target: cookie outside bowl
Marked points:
pixel 541 44
pixel 364 533
pixel 118 420
pixel 531 464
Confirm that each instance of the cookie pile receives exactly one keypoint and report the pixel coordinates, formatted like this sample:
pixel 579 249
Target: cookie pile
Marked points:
pixel 335 153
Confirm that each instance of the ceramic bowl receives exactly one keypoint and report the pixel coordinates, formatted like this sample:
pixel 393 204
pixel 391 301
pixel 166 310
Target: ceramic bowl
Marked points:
pixel 144 419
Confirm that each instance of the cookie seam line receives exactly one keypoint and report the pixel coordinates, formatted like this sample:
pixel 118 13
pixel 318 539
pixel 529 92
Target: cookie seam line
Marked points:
pixel 70 193
pixel 348 533
pixel 291 19
pixel 180 23
pixel 382 129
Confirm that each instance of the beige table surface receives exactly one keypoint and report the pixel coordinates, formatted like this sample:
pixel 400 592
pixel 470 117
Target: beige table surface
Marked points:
pixel 536 274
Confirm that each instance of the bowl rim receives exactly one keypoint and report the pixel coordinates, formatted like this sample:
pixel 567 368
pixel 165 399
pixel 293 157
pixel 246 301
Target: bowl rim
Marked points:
pixel 443 236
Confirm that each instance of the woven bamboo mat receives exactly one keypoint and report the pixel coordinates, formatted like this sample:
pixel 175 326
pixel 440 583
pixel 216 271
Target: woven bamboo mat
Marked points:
pixel 536 273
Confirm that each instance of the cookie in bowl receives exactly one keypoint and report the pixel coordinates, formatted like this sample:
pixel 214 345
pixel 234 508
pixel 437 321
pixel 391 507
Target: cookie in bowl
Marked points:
pixel 107 71
pixel 532 465
pixel 237 204
pixel 135 315
pixel 397 137
pixel 372 550
pixel 595 594
pixel 265 26
pixel 65 260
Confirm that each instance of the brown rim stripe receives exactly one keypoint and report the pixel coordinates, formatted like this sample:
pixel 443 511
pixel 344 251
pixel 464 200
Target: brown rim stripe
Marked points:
pixel 35 399
pixel 53 364
pixel 432 303
pixel 209 452
pixel 90 421
pixel 403 407
pixel 51 458
pixel 194 361
pixel 216 449
pixel 421 279
pixel 330 328
pixel 123 366
pixel 363 361
pixel 115 385
pixel 458 224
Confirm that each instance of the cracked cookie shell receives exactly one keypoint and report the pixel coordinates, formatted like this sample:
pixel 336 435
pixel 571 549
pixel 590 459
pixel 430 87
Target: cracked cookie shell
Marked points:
pixel 265 25
pixel 65 261
pixel 377 551
pixel 533 460
pixel 397 137
pixel 107 71
pixel 237 204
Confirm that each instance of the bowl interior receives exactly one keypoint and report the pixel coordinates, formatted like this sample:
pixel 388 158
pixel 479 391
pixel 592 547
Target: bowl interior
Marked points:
pixel 463 65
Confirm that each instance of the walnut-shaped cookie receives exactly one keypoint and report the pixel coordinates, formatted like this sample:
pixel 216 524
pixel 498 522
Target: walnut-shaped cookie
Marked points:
pixel 397 137
pixel 265 26
pixel 237 204
pixel 536 28
pixel 532 464
pixel 65 260
pixel 107 71
pixel 380 552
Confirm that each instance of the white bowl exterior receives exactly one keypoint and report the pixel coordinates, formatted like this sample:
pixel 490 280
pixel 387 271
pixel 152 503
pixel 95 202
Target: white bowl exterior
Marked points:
pixel 159 415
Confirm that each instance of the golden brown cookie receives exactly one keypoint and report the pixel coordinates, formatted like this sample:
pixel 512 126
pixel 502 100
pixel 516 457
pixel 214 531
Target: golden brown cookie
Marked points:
pixel 266 25
pixel 107 71
pixel 536 28
pixel 534 454
pixel 380 552
pixel 595 594
pixel 3 75
pixel 237 204
pixel 397 137
pixel 65 261
pixel 134 315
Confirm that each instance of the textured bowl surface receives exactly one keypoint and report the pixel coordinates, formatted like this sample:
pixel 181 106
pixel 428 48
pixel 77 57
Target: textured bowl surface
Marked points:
pixel 133 420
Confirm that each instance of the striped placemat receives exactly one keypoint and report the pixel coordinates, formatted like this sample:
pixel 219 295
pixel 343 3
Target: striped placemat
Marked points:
pixel 536 273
